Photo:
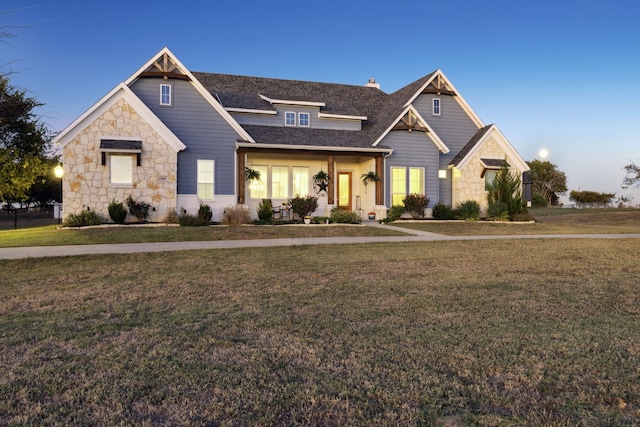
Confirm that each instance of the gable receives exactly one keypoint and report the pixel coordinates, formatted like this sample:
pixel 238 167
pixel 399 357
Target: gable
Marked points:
pixel 499 151
pixel 120 93
pixel 165 65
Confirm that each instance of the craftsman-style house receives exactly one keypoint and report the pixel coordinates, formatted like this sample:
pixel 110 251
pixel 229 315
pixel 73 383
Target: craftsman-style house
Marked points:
pixel 175 138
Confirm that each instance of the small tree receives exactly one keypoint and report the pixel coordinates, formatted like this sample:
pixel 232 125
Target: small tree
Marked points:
pixel 547 181
pixel 633 175
pixel 138 209
pixel 504 195
pixel 415 204
pixel 304 206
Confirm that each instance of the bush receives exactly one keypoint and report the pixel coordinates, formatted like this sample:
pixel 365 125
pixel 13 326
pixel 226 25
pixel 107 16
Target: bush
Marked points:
pixel 236 215
pixel 523 216
pixel 498 211
pixel 320 219
pixel 442 211
pixel 84 218
pixel 204 212
pixel 138 209
pixel 469 210
pixel 505 190
pixel 117 212
pixel 395 212
pixel 171 218
pixel 188 220
pixel 415 204
pixel 303 206
pixel 341 216
pixel 265 211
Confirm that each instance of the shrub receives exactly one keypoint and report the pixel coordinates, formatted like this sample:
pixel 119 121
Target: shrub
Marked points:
pixel 117 212
pixel 442 211
pixel 171 218
pixel 505 190
pixel 523 216
pixel 188 220
pixel 303 206
pixel 469 210
pixel 498 211
pixel 395 212
pixel 236 215
pixel 320 219
pixel 415 204
pixel 204 212
pixel 265 211
pixel 341 216
pixel 84 218
pixel 138 209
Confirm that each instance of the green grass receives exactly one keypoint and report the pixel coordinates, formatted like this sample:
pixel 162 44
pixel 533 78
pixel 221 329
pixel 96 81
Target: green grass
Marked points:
pixel 536 332
pixel 548 221
pixel 51 235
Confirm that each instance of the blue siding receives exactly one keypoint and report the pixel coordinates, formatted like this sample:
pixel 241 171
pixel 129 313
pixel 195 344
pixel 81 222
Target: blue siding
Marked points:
pixel 278 119
pixel 454 127
pixel 413 149
pixel 203 130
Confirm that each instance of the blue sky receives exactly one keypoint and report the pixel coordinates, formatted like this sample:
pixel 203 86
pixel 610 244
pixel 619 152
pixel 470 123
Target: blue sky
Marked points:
pixel 558 74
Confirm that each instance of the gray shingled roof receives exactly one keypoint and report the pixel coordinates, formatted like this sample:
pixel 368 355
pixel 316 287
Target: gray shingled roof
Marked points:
pixel 469 145
pixel 380 108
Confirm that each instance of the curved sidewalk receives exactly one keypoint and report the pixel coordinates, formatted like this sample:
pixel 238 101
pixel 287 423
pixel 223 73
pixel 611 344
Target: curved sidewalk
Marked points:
pixel 411 236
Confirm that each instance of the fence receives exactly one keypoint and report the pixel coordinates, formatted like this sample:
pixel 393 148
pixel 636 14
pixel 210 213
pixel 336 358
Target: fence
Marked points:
pixel 14 218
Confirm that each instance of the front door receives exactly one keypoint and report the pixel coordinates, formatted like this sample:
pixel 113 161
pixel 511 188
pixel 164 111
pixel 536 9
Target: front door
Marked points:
pixel 344 191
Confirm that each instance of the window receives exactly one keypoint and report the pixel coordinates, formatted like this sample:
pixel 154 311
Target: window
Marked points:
pixel 205 179
pixel 121 168
pixel 303 119
pixel 489 176
pixel 398 185
pixel 300 181
pixel 257 188
pixel 279 182
pixel 416 180
pixel 289 118
pixel 165 94
pixel 436 106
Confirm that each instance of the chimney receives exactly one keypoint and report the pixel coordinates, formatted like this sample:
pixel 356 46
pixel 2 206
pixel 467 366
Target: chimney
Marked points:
pixel 372 83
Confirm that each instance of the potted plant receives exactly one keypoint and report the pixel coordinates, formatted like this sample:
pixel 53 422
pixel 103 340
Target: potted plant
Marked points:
pixel 372 215
pixel 251 174
pixel 368 177
pixel 307 219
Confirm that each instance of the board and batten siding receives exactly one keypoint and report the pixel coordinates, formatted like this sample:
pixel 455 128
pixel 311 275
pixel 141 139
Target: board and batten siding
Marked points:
pixel 454 127
pixel 413 149
pixel 202 129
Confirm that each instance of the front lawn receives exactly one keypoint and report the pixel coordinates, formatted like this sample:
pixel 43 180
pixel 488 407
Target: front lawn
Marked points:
pixel 509 333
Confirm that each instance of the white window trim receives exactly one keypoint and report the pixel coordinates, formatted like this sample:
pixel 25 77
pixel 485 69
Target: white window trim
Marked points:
pixel 433 107
pixel 170 103
pixel 213 182
pixel 120 183
pixel 308 119
pixel 294 118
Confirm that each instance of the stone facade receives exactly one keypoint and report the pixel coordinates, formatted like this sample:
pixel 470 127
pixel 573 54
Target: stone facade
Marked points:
pixel 467 182
pixel 86 182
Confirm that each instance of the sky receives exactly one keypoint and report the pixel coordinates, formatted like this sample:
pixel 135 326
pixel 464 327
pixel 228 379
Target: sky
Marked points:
pixel 557 74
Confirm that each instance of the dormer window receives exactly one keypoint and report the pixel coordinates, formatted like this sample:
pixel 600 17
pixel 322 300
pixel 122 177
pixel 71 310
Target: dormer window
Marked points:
pixel 165 95
pixel 289 118
pixel 303 119
pixel 436 106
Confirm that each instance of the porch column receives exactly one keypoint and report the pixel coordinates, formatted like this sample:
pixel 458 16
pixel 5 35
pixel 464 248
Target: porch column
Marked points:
pixel 331 192
pixel 241 180
pixel 380 184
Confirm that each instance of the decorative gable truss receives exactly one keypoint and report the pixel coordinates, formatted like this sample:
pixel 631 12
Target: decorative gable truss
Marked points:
pixel 164 67
pixel 411 120
pixel 440 86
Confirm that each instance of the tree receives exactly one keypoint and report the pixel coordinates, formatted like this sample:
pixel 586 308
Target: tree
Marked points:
pixel 547 181
pixel 504 195
pixel 633 175
pixel 25 143
pixel 591 198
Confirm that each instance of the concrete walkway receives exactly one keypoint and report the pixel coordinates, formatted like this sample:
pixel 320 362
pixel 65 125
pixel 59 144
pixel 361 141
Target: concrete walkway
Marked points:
pixel 410 236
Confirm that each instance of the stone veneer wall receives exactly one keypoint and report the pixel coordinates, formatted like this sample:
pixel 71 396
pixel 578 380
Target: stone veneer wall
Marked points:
pixel 86 182
pixel 467 184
